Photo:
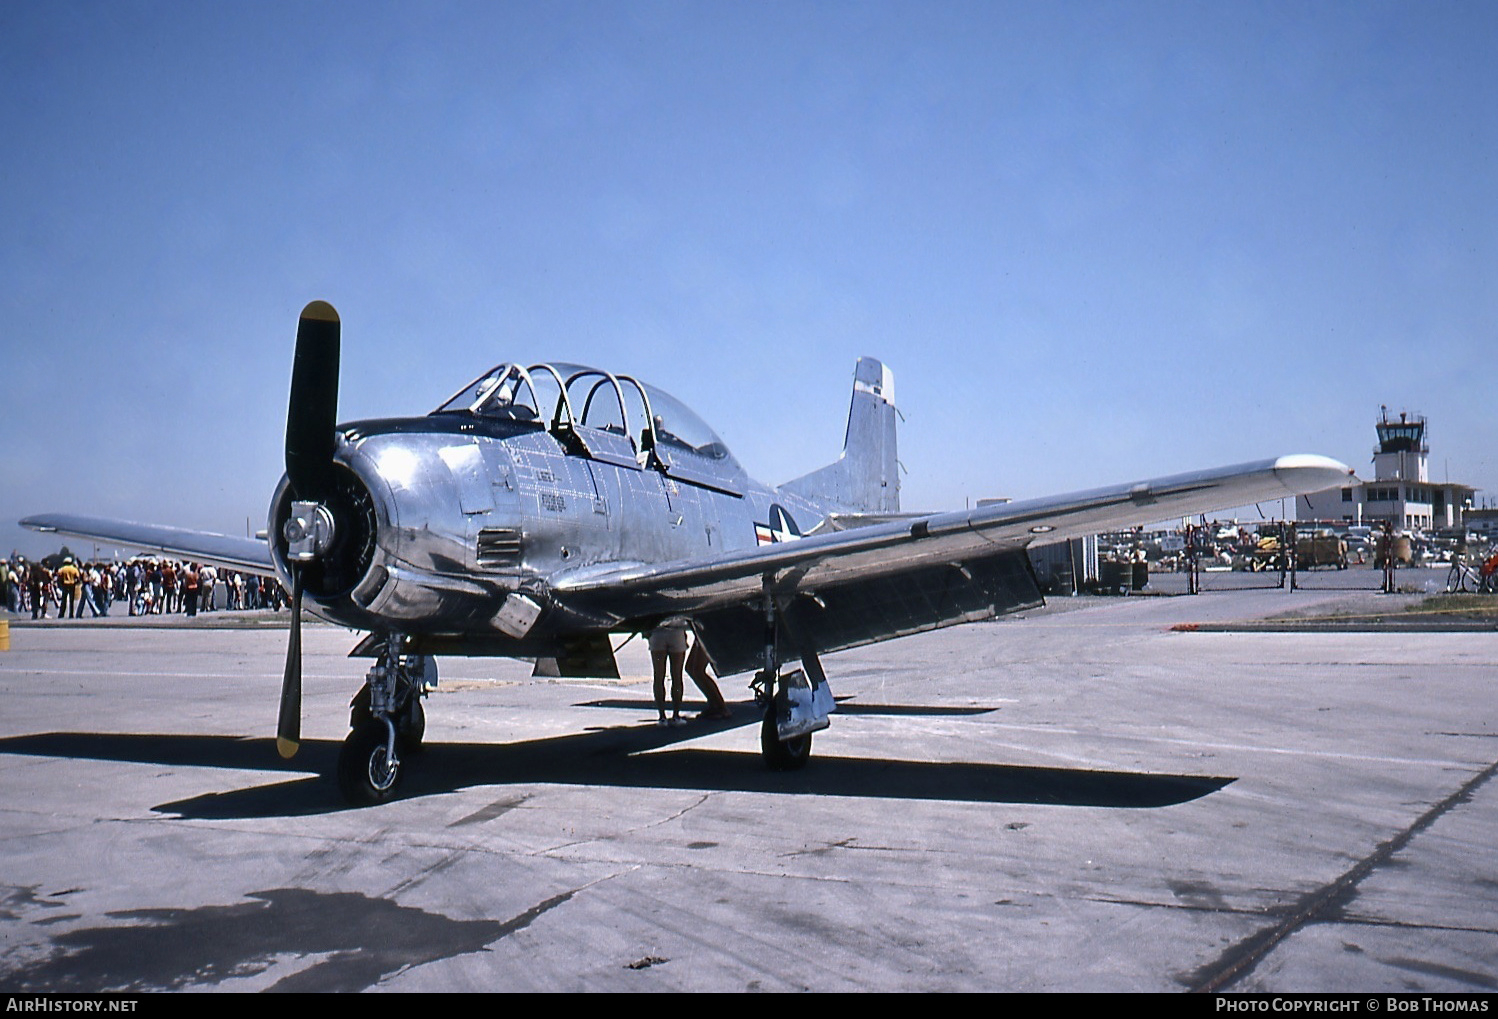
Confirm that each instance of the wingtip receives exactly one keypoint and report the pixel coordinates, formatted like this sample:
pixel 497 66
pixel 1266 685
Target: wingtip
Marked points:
pixel 1296 461
pixel 1312 472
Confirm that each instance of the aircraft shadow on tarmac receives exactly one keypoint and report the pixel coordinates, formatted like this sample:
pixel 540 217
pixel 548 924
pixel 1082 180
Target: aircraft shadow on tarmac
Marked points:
pixel 636 756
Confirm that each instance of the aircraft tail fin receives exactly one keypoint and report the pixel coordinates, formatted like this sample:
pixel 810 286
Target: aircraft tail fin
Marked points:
pixel 865 479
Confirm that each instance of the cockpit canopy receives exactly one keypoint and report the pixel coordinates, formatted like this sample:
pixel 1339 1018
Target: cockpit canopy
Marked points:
pixel 613 417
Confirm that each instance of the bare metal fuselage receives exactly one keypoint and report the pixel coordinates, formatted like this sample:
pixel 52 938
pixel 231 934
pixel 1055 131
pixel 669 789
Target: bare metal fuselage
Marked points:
pixel 468 516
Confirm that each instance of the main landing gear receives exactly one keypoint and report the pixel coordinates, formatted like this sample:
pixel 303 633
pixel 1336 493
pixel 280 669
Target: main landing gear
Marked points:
pixel 796 704
pixel 388 724
pixel 779 755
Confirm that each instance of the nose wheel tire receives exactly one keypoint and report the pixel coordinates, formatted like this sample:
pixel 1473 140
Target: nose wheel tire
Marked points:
pixel 366 773
pixel 782 755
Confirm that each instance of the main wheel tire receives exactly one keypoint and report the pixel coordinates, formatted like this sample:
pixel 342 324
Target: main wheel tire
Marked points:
pixel 782 755
pixel 366 775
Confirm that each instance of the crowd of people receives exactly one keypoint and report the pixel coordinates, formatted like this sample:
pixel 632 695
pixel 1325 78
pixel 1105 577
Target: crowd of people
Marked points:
pixel 75 589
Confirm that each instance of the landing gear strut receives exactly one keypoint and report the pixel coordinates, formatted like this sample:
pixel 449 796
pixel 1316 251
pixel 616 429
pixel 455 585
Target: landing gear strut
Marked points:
pixel 387 722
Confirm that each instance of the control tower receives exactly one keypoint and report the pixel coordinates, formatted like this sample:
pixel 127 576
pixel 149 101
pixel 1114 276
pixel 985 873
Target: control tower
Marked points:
pixel 1401 453
pixel 1401 491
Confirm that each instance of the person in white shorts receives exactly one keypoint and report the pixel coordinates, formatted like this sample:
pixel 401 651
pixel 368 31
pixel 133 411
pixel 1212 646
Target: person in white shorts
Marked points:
pixel 668 645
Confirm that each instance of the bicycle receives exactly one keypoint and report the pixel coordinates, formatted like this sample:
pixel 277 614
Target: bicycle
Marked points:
pixel 1460 575
pixel 1483 579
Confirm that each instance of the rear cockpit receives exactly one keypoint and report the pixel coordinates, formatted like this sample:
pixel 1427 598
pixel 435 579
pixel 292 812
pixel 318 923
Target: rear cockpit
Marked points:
pixel 610 418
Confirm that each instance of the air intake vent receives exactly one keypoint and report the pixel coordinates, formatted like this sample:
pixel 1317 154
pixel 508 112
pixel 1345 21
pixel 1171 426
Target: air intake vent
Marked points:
pixel 499 547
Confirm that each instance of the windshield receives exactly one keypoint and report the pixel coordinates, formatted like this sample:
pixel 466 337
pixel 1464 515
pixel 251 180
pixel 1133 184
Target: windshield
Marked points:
pixel 503 392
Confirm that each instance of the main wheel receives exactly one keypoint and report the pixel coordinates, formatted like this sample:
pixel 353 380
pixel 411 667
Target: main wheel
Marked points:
pixel 782 755
pixel 366 774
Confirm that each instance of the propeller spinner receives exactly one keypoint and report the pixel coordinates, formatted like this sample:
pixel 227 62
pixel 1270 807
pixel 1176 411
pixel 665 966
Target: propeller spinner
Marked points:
pixel 311 421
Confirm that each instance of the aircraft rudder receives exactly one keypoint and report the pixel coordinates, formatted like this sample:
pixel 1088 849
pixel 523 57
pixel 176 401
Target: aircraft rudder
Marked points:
pixel 865 478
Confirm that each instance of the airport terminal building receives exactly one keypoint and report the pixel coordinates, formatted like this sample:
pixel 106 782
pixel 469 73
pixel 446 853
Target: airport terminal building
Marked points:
pixel 1401 491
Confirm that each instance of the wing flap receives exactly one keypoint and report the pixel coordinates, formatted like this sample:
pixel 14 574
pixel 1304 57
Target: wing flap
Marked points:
pixel 902 547
pixel 875 608
pixel 249 554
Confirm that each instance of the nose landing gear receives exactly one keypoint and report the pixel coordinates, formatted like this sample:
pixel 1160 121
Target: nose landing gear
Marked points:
pixel 387 723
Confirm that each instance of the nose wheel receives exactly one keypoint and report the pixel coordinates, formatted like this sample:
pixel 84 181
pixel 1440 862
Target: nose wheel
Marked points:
pixel 369 768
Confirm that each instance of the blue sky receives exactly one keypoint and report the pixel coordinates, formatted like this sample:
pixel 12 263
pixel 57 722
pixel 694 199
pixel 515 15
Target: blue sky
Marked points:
pixel 1095 241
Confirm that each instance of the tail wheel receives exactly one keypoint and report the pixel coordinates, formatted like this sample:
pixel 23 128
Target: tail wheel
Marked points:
pixel 366 773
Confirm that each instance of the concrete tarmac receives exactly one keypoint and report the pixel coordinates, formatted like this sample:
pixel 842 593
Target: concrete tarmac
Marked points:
pixel 1078 800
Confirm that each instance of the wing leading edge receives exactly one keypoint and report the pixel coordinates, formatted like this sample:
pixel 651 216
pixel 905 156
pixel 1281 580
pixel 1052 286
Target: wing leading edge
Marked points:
pixel 845 588
pixel 249 554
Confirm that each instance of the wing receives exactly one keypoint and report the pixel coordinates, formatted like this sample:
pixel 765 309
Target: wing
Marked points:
pixel 844 588
pixel 249 554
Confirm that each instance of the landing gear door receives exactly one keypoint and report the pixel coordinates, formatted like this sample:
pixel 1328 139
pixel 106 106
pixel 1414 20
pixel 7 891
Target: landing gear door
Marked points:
pixel 807 705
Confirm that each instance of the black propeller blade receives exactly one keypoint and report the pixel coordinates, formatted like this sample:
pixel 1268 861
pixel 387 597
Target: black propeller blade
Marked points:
pixel 312 414
pixel 311 440
pixel 289 725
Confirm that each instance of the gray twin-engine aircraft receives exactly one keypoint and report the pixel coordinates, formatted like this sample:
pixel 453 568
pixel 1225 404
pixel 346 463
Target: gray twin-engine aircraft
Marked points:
pixel 543 509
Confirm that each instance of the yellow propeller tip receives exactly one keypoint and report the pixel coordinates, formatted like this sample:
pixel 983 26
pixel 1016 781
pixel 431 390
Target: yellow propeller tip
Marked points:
pixel 320 311
pixel 286 748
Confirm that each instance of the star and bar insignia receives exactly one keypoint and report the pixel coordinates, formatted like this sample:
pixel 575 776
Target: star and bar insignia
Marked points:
pixel 780 528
